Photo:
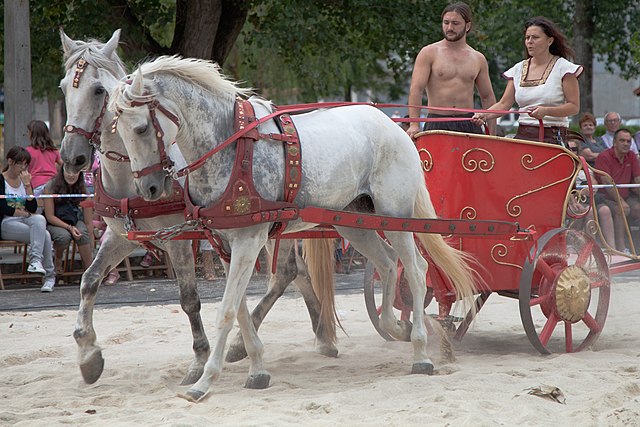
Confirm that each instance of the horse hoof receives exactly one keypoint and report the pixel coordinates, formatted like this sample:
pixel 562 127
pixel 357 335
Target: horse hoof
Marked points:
pixel 235 354
pixel 192 377
pixel 327 350
pixel 424 368
pixel 258 382
pixel 193 395
pixel 92 368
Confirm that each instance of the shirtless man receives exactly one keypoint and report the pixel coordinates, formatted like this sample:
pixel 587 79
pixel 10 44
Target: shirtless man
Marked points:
pixel 448 70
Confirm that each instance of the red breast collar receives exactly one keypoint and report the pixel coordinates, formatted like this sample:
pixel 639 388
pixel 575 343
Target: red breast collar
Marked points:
pixel 136 207
pixel 241 205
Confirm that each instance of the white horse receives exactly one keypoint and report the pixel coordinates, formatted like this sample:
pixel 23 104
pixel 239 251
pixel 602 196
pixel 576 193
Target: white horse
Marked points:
pixel 349 154
pixel 85 90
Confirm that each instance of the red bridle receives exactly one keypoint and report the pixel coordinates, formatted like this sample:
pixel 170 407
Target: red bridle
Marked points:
pixel 165 164
pixel 94 135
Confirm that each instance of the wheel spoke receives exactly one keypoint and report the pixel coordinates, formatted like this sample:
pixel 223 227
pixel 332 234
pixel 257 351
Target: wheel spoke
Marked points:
pixel 600 283
pixel 546 270
pixel 548 328
pixel 585 254
pixel 568 337
pixel 539 300
pixel 591 323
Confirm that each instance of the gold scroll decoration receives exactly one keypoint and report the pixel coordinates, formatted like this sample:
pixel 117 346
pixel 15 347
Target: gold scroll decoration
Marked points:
pixel 427 164
pixel 501 251
pixel 527 162
pixel 483 165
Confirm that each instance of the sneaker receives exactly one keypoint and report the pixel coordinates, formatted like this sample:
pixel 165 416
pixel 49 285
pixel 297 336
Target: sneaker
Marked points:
pixel 147 260
pixel 36 267
pixel 112 277
pixel 48 285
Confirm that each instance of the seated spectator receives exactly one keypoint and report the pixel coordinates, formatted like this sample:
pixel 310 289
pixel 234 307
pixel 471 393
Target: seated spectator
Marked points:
pixel 591 146
pixel 579 203
pixel 65 219
pixel 45 157
pixel 612 122
pixel 19 220
pixel 624 168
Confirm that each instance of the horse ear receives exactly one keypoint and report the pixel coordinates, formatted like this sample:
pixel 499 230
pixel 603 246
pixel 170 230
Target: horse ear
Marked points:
pixel 112 44
pixel 137 85
pixel 67 44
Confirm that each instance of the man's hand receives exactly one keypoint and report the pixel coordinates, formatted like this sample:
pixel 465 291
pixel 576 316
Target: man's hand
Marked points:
pixel 414 128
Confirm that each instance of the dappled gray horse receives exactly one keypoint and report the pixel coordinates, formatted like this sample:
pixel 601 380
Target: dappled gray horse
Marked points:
pixel 348 153
pixel 91 69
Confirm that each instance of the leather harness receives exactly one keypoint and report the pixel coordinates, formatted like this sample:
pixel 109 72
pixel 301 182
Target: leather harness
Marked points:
pixel 104 205
pixel 240 205
pixel 137 207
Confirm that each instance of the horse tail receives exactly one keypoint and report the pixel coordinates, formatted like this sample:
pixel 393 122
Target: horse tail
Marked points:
pixel 319 255
pixel 454 264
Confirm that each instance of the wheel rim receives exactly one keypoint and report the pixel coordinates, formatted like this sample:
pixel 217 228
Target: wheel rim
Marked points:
pixel 564 292
pixel 402 301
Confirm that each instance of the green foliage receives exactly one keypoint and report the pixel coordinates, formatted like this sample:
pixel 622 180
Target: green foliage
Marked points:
pixel 328 48
pixel 303 50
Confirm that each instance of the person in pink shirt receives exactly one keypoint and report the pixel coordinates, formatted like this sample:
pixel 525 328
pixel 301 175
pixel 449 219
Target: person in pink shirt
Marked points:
pixel 45 157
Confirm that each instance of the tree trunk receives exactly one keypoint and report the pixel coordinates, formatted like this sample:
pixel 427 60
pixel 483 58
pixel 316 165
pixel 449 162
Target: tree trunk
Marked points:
pixel 583 29
pixel 197 24
pixel 234 15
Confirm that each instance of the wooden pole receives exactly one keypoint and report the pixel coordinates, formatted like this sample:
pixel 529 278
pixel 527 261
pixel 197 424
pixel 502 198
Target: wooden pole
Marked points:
pixel 17 74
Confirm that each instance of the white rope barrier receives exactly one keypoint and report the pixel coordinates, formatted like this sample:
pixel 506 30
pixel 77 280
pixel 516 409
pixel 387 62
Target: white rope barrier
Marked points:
pixel 609 186
pixel 44 196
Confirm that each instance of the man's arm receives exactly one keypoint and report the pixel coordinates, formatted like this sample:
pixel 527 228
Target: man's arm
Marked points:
pixel 419 79
pixel 487 97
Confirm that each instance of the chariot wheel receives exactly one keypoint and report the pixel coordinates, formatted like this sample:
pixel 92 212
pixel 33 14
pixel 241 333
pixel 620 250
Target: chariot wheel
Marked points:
pixel 564 292
pixel 403 300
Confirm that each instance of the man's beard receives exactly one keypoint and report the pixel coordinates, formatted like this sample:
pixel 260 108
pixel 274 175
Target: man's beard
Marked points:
pixel 454 37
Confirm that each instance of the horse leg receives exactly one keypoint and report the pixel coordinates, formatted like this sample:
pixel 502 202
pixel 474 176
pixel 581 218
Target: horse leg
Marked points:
pixel 112 251
pixel 415 270
pixel 184 267
pixel 278 282
pixel 258 376
pixel 290 268
pixel 384 257
pixel 245 247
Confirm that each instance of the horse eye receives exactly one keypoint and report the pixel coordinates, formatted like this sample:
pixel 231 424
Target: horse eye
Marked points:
pixel 141 129
pixel 99 91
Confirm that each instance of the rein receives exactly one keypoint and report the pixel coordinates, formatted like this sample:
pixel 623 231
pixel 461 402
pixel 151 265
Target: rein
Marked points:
pixel 300 108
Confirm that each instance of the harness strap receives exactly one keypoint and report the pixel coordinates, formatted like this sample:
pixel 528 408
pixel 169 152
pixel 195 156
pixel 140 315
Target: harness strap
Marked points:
pixel 137 207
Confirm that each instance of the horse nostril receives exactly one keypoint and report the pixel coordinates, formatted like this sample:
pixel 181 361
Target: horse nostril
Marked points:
pixel 80 160
pixel 152 190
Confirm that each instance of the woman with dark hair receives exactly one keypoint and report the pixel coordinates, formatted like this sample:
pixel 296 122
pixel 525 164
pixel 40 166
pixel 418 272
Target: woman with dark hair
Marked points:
pixel 19 220
pixel 45 157
pixel 545 84
pixel 64 217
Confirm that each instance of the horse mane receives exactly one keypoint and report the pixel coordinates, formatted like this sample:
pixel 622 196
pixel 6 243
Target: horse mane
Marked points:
pixel 203 73
pixel 91 51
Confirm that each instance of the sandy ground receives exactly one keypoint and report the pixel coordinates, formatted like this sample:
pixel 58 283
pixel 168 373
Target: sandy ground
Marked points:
pixel 148 348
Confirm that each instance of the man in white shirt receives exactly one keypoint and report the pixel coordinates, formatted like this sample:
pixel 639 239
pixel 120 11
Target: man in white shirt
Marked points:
pixel 612 122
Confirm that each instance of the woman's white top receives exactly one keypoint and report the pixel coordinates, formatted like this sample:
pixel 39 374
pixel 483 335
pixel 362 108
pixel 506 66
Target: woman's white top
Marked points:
pixel 18 202
pixel 544 91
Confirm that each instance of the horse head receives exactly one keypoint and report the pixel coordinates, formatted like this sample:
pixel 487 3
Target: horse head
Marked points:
pixel 92 71
pixel 145 125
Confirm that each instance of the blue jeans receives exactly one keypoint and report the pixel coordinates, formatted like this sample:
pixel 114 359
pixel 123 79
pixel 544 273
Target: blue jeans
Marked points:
pixel 32 230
